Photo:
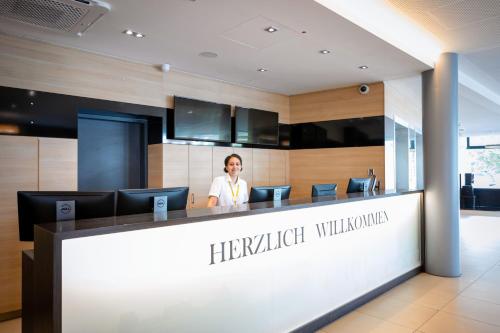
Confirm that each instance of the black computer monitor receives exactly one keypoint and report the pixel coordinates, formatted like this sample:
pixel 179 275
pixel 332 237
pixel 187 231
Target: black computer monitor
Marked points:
pixel 141 201
pixel 319 190
pixel 266 193
pixel 40 207
pixel 359 185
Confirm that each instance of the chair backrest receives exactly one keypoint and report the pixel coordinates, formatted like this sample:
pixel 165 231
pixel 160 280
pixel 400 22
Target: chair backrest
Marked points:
pixel 320 190
pixel 359 185
pixel 265 193
pixel 36 207
pixel 141 200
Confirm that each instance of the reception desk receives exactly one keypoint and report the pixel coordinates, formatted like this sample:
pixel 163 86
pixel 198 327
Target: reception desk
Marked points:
pixel 267 267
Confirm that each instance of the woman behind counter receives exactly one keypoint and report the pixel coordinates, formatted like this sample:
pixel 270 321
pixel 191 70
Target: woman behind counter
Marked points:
pixel 229 189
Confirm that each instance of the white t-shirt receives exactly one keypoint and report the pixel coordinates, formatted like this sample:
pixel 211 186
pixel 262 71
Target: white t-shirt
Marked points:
pixel 221 188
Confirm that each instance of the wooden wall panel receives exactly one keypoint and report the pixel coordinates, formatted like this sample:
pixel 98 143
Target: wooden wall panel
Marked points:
pixel 18 172
pixel 196 166
pixel 39 66
pixel 57 164
pixel 155 166
pixel 175 165
pixel 277 167
pixel 287 168
pixel 333 165
pixel 200 175
pixel 339 103
pixel 33 65
pixel 260 167
pixel 218 156
pixel 247 157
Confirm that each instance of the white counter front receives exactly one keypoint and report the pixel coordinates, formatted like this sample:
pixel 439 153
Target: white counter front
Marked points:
pixel 269 272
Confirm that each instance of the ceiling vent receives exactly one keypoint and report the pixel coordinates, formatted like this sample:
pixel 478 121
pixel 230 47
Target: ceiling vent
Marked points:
pixel 68 16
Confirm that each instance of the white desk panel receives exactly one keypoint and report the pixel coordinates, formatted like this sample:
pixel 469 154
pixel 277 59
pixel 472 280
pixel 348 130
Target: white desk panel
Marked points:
pixel 165 279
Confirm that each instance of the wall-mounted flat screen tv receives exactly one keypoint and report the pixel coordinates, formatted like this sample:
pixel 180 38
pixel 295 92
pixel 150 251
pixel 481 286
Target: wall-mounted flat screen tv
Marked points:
pixel 199 120
pixel 256 126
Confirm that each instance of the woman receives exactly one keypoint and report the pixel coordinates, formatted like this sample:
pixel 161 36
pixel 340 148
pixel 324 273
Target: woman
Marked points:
pixel 230 189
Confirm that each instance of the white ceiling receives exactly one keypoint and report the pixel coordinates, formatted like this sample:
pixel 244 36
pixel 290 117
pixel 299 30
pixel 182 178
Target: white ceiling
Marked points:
pixel 472 29
pixel 477 115
pixel 178 30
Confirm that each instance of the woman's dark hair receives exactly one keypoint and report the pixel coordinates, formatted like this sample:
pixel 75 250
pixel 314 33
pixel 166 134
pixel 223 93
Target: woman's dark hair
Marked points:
pixel 226 161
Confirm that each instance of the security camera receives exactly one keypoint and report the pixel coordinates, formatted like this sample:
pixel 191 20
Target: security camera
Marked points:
pixel 165 68
pixel 364 89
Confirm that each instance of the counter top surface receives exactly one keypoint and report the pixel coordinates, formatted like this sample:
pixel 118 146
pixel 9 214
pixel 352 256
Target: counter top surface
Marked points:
pixel 112 224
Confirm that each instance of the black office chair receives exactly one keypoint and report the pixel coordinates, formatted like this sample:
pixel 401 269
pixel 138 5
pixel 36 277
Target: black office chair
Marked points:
pixel 321 190
pixel 467 197
pixel 356 185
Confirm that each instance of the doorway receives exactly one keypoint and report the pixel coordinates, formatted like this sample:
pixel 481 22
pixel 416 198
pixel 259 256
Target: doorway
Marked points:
pixel 111 152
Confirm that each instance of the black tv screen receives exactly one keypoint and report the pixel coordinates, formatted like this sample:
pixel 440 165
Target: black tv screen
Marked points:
pixel 256 126
pixel 199 120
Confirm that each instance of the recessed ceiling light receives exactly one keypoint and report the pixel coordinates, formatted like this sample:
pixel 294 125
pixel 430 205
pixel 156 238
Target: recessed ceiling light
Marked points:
pixel 262 70
pixel 271 29
pixel 31 122
pixel 207 54
pixel 363 67
pixel 129 32
pixel 324 51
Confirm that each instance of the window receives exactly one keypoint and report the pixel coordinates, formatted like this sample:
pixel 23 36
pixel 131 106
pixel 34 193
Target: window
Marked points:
pixel 480 155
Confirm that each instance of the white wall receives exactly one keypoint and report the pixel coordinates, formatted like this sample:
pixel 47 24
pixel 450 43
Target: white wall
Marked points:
pixel 403 105
pixel 403 101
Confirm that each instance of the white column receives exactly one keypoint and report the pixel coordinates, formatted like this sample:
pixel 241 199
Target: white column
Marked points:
pixel 440 136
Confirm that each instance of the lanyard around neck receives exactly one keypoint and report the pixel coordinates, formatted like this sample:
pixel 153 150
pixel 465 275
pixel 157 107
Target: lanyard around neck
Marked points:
pixel 235 196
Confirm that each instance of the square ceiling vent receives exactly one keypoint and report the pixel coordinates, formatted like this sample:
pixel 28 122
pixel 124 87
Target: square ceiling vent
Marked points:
pixel 67 16
pixel 252 33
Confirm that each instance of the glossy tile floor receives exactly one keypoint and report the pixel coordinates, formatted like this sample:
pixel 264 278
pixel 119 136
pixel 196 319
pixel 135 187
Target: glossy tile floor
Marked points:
pixel 431 304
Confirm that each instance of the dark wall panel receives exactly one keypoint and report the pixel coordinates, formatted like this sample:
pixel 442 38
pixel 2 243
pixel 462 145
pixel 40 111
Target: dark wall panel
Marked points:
pixel 37 113
pixel 355 132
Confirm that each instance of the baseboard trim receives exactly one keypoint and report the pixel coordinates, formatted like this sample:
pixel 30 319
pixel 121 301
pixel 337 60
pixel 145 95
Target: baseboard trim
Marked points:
pixel 327 318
